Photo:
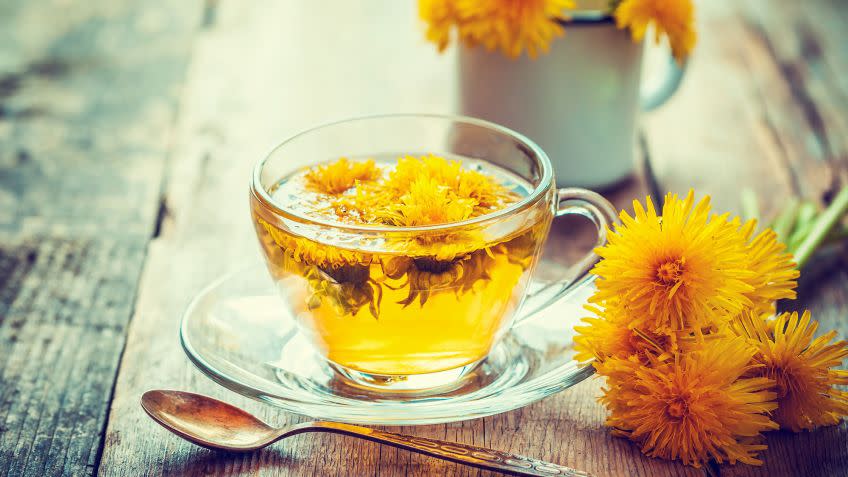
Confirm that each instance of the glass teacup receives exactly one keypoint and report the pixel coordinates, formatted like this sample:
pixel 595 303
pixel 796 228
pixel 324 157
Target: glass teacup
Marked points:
pixel 403 308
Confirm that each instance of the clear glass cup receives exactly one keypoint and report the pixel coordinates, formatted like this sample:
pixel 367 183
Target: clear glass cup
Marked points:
pixel 412 308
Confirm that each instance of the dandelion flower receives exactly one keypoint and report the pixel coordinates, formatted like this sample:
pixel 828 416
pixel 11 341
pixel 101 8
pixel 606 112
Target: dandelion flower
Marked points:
pixel 341 175
pixel 512 26
pixel 481 190
pixel 774 274
pixel 488 194
pixel 362 204
pixel 674 18
pixel 801 366
pixel 681 271
pixel 444 191
pixel 429 203
pixel 411 168
pixel 440 17
pixel 695 407
pixel 607 336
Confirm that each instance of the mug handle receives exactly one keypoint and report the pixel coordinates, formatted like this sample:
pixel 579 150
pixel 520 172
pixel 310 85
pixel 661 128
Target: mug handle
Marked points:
pixel 651 100
pixel 585 203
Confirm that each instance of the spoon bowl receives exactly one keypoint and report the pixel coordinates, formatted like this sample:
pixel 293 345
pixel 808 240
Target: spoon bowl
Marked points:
pixel 207 422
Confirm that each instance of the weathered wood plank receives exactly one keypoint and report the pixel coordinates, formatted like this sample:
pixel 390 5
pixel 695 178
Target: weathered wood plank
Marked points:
pixel 284 87
pixel 57 369
pixel 84 119
pixel 774 121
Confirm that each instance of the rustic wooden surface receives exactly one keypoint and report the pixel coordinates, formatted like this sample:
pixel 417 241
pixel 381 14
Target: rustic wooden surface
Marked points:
pixel 127 132
pixel 85 117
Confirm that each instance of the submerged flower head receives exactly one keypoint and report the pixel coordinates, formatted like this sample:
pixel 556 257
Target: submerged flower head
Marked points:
pixel 802 366
pixel 303 250
pixel 679 271
pixel 694 407
pixel 674 18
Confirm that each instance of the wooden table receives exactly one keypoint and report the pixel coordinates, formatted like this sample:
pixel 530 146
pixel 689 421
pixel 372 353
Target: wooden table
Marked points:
pixel 127 132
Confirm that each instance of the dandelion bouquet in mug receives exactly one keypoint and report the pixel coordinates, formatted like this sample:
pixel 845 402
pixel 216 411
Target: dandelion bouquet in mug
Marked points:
pixel 697 366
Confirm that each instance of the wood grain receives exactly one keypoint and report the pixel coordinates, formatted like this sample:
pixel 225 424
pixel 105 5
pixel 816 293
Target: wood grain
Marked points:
pixel 84 120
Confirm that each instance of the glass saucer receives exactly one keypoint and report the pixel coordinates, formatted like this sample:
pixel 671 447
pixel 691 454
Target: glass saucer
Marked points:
pixel 238 333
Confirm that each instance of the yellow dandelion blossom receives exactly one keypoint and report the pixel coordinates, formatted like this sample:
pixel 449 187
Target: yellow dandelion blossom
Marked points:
pixel 411 168
pixel 606 335
pixel 362 205
pixel 511 26
pixel 487 193
pixel 694 407
pixel 440 17
pixel 802 366
pixel 674 18
pixel 428 203
pixel 341 175
pixel 483 191
pixel 681 271
pixel 774 274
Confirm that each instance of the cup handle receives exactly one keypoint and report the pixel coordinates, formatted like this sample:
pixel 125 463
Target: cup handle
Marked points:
pixel 651 100
pixel 573 201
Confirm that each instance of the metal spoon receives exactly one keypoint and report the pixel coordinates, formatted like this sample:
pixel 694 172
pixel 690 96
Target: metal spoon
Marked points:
pixel 217 425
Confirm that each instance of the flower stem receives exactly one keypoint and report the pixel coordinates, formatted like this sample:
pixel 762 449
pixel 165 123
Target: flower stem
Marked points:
pixel 821 227
pixel 785 222
pixel 807 213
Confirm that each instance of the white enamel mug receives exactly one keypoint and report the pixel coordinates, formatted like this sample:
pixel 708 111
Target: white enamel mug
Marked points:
pixel 579 102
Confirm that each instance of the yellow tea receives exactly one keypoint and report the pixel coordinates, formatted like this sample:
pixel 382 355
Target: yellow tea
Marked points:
pixel 395 300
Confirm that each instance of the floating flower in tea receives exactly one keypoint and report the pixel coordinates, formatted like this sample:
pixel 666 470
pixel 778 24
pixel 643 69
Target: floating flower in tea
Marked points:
pixel 428 202
pixel 341 175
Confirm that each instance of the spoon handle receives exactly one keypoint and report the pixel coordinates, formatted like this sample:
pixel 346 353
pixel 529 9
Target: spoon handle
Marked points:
pixel 463 454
